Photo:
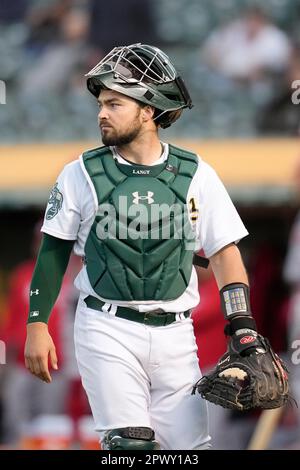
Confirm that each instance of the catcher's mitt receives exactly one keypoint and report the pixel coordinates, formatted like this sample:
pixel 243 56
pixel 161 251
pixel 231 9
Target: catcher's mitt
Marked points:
pixel 246 378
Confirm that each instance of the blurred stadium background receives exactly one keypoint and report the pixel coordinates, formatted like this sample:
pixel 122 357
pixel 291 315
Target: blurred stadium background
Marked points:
pixel 243 122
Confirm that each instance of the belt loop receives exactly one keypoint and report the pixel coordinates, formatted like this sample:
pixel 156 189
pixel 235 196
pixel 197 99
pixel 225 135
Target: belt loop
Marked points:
pixel 113 310
pixel 109 308
pixel 180 316
pixel 106 307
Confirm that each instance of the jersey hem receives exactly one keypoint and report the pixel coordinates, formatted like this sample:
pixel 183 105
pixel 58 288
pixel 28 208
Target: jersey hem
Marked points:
pixel 222 244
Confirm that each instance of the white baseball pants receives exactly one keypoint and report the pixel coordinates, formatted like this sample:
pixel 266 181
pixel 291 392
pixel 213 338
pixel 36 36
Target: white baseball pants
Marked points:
pixel 138 375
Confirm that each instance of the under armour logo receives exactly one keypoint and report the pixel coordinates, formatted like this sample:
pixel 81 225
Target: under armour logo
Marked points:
pixel 34 292
pixel 138 198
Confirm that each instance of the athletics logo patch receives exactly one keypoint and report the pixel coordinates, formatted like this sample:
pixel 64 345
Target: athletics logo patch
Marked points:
pixel 55 201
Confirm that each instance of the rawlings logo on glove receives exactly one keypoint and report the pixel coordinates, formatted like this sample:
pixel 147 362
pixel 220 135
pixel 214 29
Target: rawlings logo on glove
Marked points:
pixel 249 375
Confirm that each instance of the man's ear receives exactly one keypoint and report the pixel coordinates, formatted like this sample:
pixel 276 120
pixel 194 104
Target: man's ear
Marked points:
pixel 148 113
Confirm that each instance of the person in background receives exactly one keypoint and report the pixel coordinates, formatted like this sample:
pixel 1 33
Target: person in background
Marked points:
pixel 247 49
pixel 25 397
pixel 291 274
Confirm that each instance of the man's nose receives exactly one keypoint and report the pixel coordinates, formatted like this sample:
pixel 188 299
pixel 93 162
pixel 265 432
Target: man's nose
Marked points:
pixel 103 113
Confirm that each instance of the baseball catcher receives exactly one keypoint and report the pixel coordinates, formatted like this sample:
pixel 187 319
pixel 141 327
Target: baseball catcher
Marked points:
pixel 138 284
pixel 250 374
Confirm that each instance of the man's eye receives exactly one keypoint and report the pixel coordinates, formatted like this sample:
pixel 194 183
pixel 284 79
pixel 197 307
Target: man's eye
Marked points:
pixel 112 105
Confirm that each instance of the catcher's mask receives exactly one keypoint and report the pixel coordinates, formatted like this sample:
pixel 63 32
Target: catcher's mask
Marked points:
pixel 146 74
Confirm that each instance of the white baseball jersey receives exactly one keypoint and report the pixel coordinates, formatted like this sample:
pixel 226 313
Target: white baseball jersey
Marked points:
pixel 217 225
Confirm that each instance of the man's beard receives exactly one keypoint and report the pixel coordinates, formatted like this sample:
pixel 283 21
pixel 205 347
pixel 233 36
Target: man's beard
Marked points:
pixel 123 139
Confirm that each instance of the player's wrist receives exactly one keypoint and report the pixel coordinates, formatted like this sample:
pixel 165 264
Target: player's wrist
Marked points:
pixel 235 302
pixel 36 325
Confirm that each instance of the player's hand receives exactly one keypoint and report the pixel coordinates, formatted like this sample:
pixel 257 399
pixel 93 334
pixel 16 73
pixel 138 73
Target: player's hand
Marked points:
pixel 38 347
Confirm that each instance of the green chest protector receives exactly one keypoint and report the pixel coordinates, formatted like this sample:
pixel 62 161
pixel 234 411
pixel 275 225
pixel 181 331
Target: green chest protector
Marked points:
pixel 141 244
